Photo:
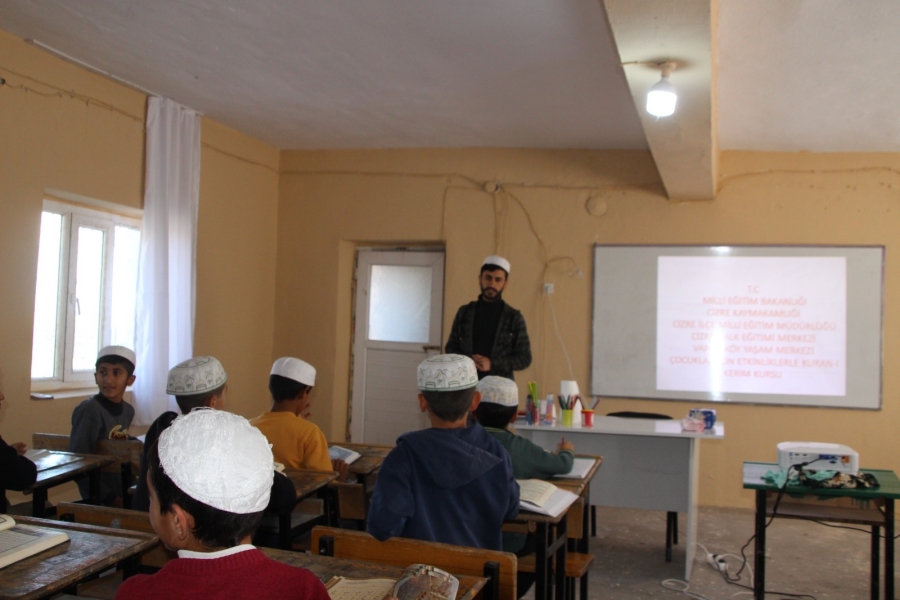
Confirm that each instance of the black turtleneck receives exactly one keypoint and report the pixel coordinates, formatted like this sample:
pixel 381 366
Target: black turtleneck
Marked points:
pixel 487 317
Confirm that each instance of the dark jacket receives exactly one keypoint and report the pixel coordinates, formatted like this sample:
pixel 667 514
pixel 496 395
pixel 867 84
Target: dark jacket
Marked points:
pixel 454 486
pixel 16 471
pixel 512 348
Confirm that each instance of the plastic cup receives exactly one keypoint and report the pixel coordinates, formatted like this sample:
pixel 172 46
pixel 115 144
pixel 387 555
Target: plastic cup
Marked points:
pixel 567 418
pixel 587 418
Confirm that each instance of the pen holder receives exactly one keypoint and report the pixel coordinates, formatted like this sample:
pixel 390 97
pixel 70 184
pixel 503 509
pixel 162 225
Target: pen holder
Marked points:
pixel 587 418
pixel 566 417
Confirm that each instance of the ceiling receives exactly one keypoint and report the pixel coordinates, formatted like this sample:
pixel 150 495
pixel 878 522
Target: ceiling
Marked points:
pixel 776 75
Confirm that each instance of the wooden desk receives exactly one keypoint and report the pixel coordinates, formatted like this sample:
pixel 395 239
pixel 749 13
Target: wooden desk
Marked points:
pixel 647 464
pixel 89 551
pixel 880 514
pixel 582 488
pixel 58 468
pixel 372 455
pixel 306 483
pixel 325 567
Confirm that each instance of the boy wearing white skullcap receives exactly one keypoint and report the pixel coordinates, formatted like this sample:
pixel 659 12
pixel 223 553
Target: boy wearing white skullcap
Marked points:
pixel 197 382
pixel 105 416
pixel 499 407
pixel 209 477
pixel 450 483
pixel 296 442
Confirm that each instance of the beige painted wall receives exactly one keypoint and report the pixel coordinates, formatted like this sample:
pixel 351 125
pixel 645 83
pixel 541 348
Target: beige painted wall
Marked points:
pixel 333 200
pixel 68 129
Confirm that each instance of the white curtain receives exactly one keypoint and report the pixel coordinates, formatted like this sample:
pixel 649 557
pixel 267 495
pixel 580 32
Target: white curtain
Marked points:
pixel 164 333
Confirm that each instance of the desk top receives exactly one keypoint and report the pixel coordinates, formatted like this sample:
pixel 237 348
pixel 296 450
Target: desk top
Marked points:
pixel 627 426
pixel 889 484
pixel 60 467
pixel 326 567
pixel 89 550
pixel 307 482
pixel 372 455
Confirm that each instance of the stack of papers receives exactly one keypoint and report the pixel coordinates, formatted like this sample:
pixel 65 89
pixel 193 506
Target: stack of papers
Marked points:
pixel 580 469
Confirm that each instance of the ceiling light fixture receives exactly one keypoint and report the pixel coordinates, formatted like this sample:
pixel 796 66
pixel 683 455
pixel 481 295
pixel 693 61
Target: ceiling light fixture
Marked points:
pixel 662 97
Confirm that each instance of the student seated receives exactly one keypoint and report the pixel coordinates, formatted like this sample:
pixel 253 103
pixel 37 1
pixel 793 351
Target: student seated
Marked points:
pixel 199 382
pixel 209 478
pixel 296 442
pixel 105 416
pixel 16 471
pixel 450 483
pixel 498 408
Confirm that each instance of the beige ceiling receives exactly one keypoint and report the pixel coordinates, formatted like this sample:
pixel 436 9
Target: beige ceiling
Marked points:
pixel 780 75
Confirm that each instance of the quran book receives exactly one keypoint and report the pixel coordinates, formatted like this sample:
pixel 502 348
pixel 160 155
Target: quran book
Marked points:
pixel 19 541
pixel 417 581
pixel 580 468
pixel 535 491
pixel 348 456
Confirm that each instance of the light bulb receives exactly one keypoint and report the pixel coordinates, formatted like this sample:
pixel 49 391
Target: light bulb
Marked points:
pixel 662 98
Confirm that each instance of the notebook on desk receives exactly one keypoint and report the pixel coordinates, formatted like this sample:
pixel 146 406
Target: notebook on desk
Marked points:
pixel 18 541
pixel 580 469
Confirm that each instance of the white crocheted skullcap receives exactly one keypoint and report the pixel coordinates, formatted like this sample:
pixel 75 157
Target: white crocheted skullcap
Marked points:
pixel 296 369
pixel 498 390
pixel 121 351
pixel 220 459
pixel 447 372
pixel 195 376
pixel 501 262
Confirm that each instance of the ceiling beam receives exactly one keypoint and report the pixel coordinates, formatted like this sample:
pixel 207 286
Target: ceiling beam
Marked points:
pixel 684 145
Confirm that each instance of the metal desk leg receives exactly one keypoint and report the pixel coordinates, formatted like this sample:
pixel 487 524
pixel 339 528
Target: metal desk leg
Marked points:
pixel 889 548
pixel 876 563
pixel 560 542
pixel 284 531
pixel 541 580
pixel 759 558
pixel 39 502
pixel 94 487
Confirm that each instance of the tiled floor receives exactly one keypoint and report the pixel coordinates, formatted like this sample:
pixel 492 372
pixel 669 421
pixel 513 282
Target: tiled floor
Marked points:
pixel 803 557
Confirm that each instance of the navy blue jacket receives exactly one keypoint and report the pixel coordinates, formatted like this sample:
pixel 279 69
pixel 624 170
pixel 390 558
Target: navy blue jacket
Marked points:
pixel 445 485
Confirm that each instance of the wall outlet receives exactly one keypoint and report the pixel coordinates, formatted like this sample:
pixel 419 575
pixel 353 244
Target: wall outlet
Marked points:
pixel 548 288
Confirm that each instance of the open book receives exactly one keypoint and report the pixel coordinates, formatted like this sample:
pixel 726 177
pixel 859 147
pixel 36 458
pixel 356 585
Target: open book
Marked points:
pixel 18 541
pixel 543 497
pixel 348 456
pixel 417 581
pixel 580 468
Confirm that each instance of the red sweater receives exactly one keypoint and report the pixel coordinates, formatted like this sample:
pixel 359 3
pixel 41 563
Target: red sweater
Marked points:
pixel 248 574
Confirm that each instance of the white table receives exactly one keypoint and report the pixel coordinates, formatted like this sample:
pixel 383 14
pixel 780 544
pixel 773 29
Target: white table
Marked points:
pixel 647 464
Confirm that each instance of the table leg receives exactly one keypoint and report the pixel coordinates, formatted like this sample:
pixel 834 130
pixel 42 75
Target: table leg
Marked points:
pixel 759 555
pixel 94 487
pixel 560 544
pixel 284 531
pixel 874 575
pixel 541 580
pixel 39 502
pixel 889 548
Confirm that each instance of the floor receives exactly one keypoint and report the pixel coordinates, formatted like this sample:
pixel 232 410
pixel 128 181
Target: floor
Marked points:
pixel 802 557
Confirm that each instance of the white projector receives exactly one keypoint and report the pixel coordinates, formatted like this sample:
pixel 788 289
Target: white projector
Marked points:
pixel 820 456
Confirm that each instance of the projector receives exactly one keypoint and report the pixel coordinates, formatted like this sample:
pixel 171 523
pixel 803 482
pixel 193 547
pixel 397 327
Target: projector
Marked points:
pixel 820 456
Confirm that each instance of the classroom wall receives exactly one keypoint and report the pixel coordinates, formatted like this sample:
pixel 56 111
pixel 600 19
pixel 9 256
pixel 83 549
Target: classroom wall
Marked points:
pixel 552 208
pixel 65 128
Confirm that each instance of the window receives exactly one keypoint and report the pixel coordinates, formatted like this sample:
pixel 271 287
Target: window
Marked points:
pixel 86 291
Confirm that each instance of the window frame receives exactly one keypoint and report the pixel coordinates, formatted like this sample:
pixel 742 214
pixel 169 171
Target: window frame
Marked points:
pixel 105 218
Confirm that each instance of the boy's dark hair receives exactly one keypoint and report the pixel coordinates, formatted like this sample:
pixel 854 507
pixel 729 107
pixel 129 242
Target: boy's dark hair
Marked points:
pixel 213 528
pixel 449 405
pixel 490 267
pixel 115 359
pixel 493 415
pixel 284 388
pixel 187 403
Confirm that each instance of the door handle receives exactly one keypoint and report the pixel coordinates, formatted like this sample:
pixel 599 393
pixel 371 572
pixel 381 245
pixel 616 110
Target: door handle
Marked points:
pixel 428 348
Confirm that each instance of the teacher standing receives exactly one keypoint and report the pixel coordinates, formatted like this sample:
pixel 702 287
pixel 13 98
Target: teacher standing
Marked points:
pixel 489 330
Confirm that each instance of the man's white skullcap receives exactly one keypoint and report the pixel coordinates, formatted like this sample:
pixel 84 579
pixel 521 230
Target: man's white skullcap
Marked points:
pixel 445 372
pixel 220 459
pixel 296 369
pixel 126 353
pixel 195 376
pixel 501 262
pixel 498 390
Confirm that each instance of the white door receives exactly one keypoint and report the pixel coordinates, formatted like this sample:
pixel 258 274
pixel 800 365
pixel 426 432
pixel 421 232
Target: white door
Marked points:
pixel 399 303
